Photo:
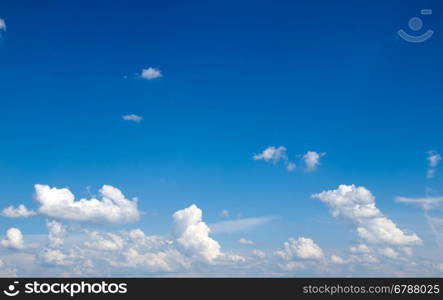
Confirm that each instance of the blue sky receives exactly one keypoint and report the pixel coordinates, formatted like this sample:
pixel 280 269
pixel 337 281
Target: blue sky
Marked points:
pixel 237 77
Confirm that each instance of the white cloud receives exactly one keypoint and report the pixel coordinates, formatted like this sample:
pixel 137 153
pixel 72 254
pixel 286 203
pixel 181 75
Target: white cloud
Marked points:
pixel 56 234
pixel 140 239
pixel 427 203
pixel 337 260
pixel 14 239
pixel 239 225
pixel 151 73
pixel 192 234
pixel 166 261
pixel 434 159
pixel 361 248
pixel 290 166
pixel 133 118
pixel 390 253
pixel 357 204
pixel 312 160
pixel 274 155
pixel 2 25
pixel 17 212
pixel 364 258
pixel 245 241
pixel 293 266
pixel 112 208
pixel 131 250
pixel 224 213
pixel 55 257
pixel 303 248
pixel 258 253
pixel 226 259
pixel 104 242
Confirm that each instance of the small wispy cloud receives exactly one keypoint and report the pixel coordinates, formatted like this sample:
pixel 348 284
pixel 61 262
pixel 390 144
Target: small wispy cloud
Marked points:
pixel 312 160
pixel 224 213
pixel 133 118
pixel 274 155
pixel 239 225
pixel 2 25
pixel 427 203
pixel 151 73
pixel 433 159
pixel 244 241
pixel 290 166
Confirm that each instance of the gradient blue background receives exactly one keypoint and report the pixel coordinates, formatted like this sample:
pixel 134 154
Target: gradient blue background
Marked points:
pixel 238 76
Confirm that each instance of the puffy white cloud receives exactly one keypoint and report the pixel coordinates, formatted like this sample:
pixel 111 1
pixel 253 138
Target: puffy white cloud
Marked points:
pixel 104 242
pixel 390 253
pixel 312 160
pixel 151 73
pixel 337 260
pixel 303 248
pixel 239 225
pixel 245 241
pixel 112 208
pixel 274 155
pixel 55 257
pixel 427 203
pixel 56 234
pixel 362 254
pixel 357 204
pixel 2 25
pixel 224 213
pixel 14 239
pixel 133 250
pixel 140 239
pixel 192 234
pixel 361 248
pixel 167 261
pixel 17 212
pixel 434 159
pixel 383 230
pixel 133 118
